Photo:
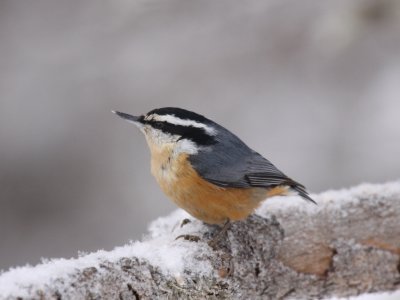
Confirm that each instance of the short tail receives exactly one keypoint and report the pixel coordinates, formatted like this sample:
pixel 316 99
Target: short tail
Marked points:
pixel 301 190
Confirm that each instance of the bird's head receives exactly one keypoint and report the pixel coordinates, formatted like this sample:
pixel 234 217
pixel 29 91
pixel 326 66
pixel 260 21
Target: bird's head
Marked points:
pixel 181 129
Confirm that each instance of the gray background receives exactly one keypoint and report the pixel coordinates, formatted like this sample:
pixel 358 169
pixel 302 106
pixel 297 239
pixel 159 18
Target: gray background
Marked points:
pixel 312 85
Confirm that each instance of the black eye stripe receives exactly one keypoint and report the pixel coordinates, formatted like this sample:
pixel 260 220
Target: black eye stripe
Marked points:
pixel 158 125
pixel 195 134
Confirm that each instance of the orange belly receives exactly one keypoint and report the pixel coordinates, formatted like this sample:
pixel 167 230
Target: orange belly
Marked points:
pixel 202 199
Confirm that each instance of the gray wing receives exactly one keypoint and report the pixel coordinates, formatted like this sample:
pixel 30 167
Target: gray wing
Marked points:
pixel 231 163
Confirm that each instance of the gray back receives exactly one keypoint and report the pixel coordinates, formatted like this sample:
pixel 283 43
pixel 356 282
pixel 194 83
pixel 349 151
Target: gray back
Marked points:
pixel 231 163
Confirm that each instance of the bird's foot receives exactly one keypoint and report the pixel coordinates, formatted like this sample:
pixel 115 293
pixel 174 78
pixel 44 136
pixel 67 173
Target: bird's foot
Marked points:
pixel 188 237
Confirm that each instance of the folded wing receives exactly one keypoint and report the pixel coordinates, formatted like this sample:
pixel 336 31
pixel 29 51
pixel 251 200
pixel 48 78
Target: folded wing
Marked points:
pixel 233 164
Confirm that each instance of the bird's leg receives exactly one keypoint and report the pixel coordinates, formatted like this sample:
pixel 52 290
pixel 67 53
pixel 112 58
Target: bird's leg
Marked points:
pixel 212 243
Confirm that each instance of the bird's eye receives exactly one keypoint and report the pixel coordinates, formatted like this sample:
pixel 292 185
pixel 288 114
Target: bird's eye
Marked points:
pixel 158 125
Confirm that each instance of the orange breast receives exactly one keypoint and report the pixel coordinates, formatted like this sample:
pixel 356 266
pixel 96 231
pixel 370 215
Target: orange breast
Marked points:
pixel 203 200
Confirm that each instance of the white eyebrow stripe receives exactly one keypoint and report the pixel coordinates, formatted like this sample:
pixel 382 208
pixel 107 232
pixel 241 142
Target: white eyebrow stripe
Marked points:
pixel 178 121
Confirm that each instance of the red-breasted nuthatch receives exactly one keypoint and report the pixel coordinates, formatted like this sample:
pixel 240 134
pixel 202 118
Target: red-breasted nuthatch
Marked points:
pixel 207 170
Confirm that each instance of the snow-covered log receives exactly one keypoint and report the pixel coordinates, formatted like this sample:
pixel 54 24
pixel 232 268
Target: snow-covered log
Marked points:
pixel 347 245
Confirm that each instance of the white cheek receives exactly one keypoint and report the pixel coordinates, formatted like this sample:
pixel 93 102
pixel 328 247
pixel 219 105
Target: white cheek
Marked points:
pixel 158 137
pixel 186 146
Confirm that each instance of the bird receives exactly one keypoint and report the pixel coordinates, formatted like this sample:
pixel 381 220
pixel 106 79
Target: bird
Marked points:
pixel 207 170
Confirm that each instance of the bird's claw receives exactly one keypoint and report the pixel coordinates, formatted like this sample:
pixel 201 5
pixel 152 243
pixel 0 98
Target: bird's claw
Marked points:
pixel 188 237
pixel 184 222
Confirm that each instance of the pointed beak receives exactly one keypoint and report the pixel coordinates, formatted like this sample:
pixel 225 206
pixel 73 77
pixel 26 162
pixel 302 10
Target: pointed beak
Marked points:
pixel 133 119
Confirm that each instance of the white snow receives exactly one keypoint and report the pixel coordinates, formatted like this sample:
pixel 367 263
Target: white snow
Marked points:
pixel 373 296
pixel 160 249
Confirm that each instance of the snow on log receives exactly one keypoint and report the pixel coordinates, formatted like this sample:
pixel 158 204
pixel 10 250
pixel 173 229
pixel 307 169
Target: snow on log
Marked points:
pixel 347 245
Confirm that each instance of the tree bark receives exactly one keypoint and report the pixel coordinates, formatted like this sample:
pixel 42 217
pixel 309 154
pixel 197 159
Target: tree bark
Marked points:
pixel 347 245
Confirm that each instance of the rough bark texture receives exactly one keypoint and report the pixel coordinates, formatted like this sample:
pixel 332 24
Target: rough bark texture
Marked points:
pixel 347 245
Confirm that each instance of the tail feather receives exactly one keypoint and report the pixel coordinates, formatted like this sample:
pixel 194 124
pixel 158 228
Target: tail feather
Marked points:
pixel 301 190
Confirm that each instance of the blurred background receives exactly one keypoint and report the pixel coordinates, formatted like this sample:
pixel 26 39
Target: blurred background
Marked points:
pixel 312 85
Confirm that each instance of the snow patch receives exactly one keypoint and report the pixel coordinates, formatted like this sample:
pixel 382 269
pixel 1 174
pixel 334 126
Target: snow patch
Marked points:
pixel 374 296
pixel 159 248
